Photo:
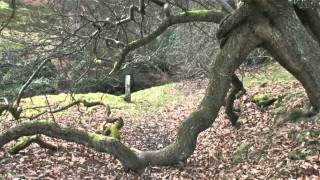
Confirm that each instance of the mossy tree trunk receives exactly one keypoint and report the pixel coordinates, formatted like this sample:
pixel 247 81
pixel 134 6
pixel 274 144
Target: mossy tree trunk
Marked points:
pixel 289 41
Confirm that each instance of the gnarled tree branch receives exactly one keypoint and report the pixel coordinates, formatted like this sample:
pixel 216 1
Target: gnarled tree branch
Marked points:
pixel 78 102
pixel 96 141
pixel 232 21
pixel 306 4
pixel 226 6
pixel 26 141
pixel 241 42
pixel 237 89
pixel 190 16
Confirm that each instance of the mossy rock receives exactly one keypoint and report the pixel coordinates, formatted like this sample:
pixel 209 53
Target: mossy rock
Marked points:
pixel 301 116
pixel 306 136
pixel 257 155
pixel 263 100
pixel 296 116
pixel 278 110
pixel 297 155
pixel 241 153
pixel 280 119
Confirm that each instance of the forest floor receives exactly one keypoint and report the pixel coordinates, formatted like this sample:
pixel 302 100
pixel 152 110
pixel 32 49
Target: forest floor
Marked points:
pixel 270 143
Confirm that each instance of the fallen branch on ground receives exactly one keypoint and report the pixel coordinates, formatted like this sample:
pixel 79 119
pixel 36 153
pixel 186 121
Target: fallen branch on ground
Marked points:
pixel 26 141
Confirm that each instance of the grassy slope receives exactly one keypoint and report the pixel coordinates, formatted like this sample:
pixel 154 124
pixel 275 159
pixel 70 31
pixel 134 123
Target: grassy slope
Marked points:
pixel 159 96
pixel 142 101
pixel 271 72
pixel 24 16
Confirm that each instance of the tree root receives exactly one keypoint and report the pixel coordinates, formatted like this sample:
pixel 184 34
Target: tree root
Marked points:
pixel 26 141
pixel 98 142
pixel 235 92
pixel 228 23
pixel 114 129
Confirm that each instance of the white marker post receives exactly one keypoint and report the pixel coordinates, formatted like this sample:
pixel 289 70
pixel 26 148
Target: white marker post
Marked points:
pixel 127 96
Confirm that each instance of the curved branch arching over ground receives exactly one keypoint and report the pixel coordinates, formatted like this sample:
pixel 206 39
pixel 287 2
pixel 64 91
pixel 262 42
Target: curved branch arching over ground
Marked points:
pixel 286 38
pixel 242 41
pixel 186 17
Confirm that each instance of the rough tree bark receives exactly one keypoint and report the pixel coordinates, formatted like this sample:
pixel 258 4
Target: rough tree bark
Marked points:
pixel 236 90
pixel 293 47
pixel 272 24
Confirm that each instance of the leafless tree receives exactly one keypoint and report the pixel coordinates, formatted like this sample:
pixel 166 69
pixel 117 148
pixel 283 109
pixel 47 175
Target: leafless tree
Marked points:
pixel 288 30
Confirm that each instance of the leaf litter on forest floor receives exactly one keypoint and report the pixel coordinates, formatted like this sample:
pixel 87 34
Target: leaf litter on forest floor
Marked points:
pixel 263 147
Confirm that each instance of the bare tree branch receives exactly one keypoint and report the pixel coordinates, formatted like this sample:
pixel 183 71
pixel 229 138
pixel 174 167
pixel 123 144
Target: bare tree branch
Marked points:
pixel 186 17
pixel 78 102
pixel 226 6
pixel 26 141
pixel 31 78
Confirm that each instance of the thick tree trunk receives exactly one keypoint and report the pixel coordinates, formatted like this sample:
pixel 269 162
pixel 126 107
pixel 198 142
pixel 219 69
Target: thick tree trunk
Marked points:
pixel 313 18
pixel 310 20
pixel 242 41
pixel 292 46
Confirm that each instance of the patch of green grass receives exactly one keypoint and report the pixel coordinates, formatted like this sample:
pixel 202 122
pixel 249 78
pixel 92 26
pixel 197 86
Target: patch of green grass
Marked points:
pixel 142 101
pixel 274 73
pixel 157 96
pixel 248 152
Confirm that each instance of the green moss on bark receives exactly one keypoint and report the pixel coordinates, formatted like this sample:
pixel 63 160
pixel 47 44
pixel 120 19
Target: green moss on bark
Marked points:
pixel 115 130
pixel 97 137
pixel 21 144
pixel 195 13
pixel 263 100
